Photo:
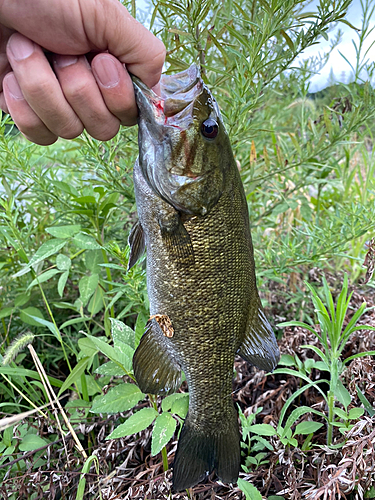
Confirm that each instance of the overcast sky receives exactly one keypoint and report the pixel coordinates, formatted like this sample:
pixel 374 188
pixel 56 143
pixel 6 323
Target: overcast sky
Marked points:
pixel 336 64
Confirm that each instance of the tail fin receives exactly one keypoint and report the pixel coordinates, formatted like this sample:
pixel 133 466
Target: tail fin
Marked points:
pixel 199 452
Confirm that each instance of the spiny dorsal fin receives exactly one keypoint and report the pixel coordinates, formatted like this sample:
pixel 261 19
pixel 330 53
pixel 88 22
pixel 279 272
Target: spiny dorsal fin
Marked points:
pixel 137 244
pixel 259 346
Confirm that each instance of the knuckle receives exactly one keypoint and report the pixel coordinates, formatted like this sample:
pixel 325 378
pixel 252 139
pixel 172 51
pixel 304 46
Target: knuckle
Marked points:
pixel 105 133
pixel 45 140
pixel 35 131
pixel 29 126
pixel 76 94
pixel 36 92
pixel 122 106
pixel 71 130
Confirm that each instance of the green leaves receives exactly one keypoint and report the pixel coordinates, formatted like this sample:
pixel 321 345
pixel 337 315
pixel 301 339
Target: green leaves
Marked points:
pixel 29 315
pixel 5 311
pixel 82 480
pixel 32 442
pixel 87 286
pixel 86 242
pixel 43 277
pixel 180 406
pixel 251 492
pixel 121 354
pixel 93 259
pixel 135 423
pixel 342 394
pixel 115 355
pixel 48 248
pixel 307 427
pixel 177 404
pixel 263 429
pixel 118 399
pixel 333 338
pixel 163 431
pixel 125 396
pixel 110 368
pixel 62 282
pixel 122 334
pixel 63 262
pixel 64 231
pixel 366 403
pixel 75 374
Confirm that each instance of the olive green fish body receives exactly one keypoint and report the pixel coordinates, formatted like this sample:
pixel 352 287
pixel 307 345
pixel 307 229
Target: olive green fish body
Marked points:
pixel 201 276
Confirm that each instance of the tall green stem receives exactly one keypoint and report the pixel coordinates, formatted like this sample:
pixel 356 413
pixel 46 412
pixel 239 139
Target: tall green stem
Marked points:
pixel 165 459
pixel 109 277
pixel 331 406
pixel 164 450
pixel 59 337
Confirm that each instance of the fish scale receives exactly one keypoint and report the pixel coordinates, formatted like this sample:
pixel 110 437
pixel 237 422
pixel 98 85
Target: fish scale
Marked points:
pixel 200 272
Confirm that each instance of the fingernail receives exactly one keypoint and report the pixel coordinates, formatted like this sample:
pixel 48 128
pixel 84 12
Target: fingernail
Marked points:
pixel 13 87
pixel 106 71
pixel 64 61
pixel 20 47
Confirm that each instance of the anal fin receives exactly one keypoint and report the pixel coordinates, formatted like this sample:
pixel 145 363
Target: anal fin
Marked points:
pixel 137 244
pixel 259 346
pixel 155 367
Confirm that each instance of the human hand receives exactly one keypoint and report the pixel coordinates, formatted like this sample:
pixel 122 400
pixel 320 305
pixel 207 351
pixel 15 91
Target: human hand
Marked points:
pixel 60 101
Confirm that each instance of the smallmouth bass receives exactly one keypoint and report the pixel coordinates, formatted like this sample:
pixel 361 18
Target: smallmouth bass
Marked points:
pixel 204 303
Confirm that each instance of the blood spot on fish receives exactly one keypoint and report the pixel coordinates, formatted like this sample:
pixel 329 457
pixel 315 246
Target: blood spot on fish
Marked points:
pixel 165 324
pixel 159 105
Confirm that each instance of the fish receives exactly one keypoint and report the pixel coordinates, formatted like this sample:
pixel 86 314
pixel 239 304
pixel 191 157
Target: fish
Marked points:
pixel 193 221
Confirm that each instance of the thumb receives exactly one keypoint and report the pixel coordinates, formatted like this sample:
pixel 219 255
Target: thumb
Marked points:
pixel 118 32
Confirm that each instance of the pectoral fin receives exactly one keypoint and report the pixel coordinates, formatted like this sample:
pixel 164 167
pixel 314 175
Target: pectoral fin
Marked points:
pixel 137 244
pixel 179 245
pixel 155 367
pixel 176 238
pixel 259 346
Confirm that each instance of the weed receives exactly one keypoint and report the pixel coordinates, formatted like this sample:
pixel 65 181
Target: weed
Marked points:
pixel 333 337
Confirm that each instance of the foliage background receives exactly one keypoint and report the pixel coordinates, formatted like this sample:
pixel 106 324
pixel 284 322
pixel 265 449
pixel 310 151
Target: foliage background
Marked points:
pixel 307 163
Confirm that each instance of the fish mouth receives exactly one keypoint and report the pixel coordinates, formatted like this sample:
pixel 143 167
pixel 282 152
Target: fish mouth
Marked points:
pixel 173 107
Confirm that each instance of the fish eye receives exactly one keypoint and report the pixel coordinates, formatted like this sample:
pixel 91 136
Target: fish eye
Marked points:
pixel 209 128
